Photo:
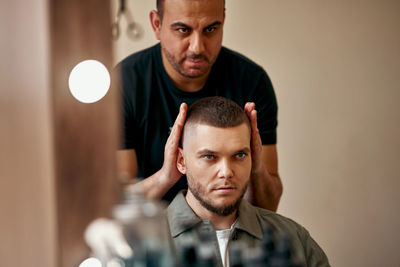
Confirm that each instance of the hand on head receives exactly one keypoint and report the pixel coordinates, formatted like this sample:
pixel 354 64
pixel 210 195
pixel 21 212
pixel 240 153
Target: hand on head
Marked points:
pixel 169 168
pixel 256 144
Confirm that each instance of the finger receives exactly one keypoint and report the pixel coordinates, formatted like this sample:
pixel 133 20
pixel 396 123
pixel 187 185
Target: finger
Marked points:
pixel 179 121
pixel 172 143
pixel 253 121
pixel 256 140
pixel 249 107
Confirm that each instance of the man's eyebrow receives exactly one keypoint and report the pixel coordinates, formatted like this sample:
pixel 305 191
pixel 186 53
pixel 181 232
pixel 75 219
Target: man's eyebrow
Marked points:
pixel 216 23
pixel 244 150
pixel 206 151
pixel 179 24
pixel 211 152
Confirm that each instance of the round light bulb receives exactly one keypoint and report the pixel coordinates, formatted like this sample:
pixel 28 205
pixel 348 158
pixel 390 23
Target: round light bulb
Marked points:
pixel 91 262
pixel 89 81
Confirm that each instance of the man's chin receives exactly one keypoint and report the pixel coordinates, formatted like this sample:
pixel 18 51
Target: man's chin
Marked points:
pixel 193 73
pixel 226 210
pixel 223 209
pixel 220 205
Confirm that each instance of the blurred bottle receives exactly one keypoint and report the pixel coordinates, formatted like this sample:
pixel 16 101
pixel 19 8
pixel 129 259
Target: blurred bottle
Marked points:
pixel 145 228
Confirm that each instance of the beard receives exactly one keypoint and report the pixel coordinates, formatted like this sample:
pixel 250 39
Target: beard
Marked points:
pixel 222 210
pixel 178 64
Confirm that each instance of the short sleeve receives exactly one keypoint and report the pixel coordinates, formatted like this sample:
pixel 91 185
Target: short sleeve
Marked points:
pixel 128 122
pixel 267 110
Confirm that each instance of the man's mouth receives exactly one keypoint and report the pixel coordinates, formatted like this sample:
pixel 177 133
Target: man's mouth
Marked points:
pixel 196 58
pixel 225 189
pixel 195 61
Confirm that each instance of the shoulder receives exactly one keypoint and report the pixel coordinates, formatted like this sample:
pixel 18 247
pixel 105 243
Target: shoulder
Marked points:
pixel 278 221
pixel 235 59
pixel 306 249
pixel 138 69
pixel 139 60
pixel 239 70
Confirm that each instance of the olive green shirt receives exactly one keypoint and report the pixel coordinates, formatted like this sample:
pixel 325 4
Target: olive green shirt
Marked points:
pixel 248 229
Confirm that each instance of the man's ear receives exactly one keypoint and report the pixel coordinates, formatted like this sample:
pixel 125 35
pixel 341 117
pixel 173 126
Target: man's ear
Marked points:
pixel 155 22
pixel 180 161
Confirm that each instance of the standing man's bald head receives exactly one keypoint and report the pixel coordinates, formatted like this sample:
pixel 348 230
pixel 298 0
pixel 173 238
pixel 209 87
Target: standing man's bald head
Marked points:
pixel 160 6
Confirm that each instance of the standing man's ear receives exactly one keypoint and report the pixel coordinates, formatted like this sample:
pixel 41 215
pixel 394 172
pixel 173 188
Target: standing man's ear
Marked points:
pixel 180 161
pixel 155 23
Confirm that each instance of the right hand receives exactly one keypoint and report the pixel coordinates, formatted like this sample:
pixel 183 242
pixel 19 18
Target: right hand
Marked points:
pixel 158 184
pixel 169 172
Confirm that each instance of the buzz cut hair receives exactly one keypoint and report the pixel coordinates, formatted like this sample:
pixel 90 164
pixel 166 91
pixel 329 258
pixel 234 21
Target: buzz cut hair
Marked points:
pixel 216 111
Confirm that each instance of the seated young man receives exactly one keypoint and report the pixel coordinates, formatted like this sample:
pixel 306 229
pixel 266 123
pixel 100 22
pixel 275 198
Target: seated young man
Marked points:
pixel 216 156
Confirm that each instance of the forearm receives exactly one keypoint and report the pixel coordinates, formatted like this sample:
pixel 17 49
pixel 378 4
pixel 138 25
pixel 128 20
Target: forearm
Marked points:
pixel 265 190
pixel 155 186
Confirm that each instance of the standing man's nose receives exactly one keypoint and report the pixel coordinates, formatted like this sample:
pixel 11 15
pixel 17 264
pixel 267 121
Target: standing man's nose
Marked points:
pixel 196 44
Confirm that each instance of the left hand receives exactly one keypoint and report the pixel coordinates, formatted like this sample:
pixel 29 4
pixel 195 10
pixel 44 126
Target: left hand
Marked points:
pixel 256 144
pixel 264 189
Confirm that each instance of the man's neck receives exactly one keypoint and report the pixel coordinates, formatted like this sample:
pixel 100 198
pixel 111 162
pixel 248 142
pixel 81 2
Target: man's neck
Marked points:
pixel 219 222
pixel 184 83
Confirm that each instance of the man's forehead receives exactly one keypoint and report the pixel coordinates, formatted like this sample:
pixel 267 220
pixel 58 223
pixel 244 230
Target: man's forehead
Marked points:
pixel 167 2
pixel 193 8
pixel 204 133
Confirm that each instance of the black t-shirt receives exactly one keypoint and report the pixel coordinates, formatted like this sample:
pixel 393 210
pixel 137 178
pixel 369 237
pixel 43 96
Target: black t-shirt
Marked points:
pixel 151 102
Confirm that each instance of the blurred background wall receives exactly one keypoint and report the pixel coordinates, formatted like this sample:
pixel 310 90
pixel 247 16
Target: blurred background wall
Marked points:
pixel 335 67
pixel 27 214
pixel 57 155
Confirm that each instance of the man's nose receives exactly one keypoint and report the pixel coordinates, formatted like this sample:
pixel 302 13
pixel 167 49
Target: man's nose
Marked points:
pixel 225 169
pixel 196 44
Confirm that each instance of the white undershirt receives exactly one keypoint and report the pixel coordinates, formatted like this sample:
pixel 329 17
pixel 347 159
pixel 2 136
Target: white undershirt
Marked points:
pixel 223 238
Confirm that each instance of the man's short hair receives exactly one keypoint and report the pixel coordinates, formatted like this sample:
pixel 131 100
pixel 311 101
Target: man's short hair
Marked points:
pixel 216 111
pixel 160 8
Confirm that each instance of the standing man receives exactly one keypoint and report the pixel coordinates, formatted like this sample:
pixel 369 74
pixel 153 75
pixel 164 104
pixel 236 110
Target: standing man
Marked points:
pixel 190 63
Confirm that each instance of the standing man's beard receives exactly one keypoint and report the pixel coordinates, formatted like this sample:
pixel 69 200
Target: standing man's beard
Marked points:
pixel 177 65
pixel 219 210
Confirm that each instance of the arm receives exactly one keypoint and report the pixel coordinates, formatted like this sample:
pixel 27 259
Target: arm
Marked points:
pixel 159 183
pixel 265 187
pixel 127 163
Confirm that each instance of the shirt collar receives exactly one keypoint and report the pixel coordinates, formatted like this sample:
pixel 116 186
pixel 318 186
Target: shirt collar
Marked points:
pixel 247 220
pixel 181 217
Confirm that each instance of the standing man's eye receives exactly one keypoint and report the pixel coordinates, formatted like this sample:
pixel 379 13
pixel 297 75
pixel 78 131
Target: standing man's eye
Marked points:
pixel 209 157
pixel 210 29
pixel 183 30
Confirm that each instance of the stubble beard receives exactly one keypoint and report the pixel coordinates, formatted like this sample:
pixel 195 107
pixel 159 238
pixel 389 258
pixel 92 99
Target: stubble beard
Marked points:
pixel 224 210
pixel 178 65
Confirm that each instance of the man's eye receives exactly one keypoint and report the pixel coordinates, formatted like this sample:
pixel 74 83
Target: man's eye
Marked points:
pixel 183 30
pixel 209 157
pixel 241 155
pixel 210 29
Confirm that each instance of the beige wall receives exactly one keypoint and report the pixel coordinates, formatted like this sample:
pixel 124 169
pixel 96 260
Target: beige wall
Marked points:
pixel 27 221
pixel 334 65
